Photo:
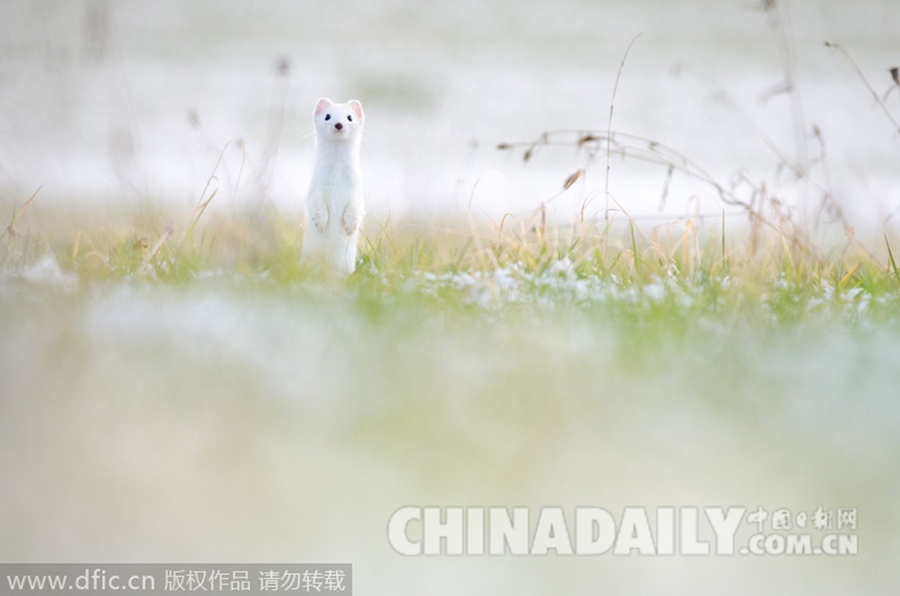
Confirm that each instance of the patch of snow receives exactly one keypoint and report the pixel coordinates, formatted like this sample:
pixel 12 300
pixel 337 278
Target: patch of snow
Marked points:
pixel 45 273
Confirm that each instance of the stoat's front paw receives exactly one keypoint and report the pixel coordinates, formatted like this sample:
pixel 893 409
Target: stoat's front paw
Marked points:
pixel 350 223
pixel 319 219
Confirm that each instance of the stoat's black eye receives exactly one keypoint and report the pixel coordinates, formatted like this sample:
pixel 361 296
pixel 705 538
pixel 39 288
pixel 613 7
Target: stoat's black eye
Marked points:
pixel 327 117
pixel 350 118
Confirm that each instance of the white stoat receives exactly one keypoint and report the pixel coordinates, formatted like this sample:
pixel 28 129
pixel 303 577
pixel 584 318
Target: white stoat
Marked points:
pixel 334 205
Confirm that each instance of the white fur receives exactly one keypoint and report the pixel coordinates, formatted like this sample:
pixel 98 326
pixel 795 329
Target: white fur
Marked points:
pixel 334 206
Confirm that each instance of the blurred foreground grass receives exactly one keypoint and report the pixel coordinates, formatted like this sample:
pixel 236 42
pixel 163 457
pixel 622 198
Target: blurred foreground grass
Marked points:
pixel 671 273
pixel 180 387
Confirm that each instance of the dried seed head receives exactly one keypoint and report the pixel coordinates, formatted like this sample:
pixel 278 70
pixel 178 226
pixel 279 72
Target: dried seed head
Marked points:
pixel 573 178
pixel 283 66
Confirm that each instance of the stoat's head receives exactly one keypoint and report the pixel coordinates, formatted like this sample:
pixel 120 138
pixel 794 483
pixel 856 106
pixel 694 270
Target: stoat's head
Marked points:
pixel 338 121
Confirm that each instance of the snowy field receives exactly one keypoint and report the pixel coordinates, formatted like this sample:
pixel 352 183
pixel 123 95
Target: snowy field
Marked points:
pixel 129 102
pixel 187 396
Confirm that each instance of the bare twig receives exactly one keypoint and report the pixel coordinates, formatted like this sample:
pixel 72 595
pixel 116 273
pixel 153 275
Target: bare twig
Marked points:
pixel 780 22
pixel 751 197
pixel 274 128
pixel 612 103
pixel 868 85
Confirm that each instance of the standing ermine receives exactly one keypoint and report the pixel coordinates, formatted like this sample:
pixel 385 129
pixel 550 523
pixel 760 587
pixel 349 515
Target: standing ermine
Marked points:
pixel 335 206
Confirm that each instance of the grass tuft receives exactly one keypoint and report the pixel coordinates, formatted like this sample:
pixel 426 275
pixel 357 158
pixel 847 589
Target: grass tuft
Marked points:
pixel 674 274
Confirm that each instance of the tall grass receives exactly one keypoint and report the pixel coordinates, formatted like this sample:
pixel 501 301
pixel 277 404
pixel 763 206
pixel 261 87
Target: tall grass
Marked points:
pixel 677 270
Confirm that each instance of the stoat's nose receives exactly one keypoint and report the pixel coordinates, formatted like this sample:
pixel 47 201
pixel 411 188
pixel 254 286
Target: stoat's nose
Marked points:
pixel 339 126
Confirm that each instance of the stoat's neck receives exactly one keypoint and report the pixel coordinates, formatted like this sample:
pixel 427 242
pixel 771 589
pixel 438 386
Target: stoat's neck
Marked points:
pixel 338 151
pixel 337 160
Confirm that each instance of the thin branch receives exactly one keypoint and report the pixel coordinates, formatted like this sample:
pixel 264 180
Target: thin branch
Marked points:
pixel 865 81
pixel 612 103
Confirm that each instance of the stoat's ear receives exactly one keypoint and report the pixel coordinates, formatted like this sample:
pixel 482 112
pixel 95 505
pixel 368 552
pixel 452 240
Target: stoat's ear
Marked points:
pixel 323 105
pixel 357 108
